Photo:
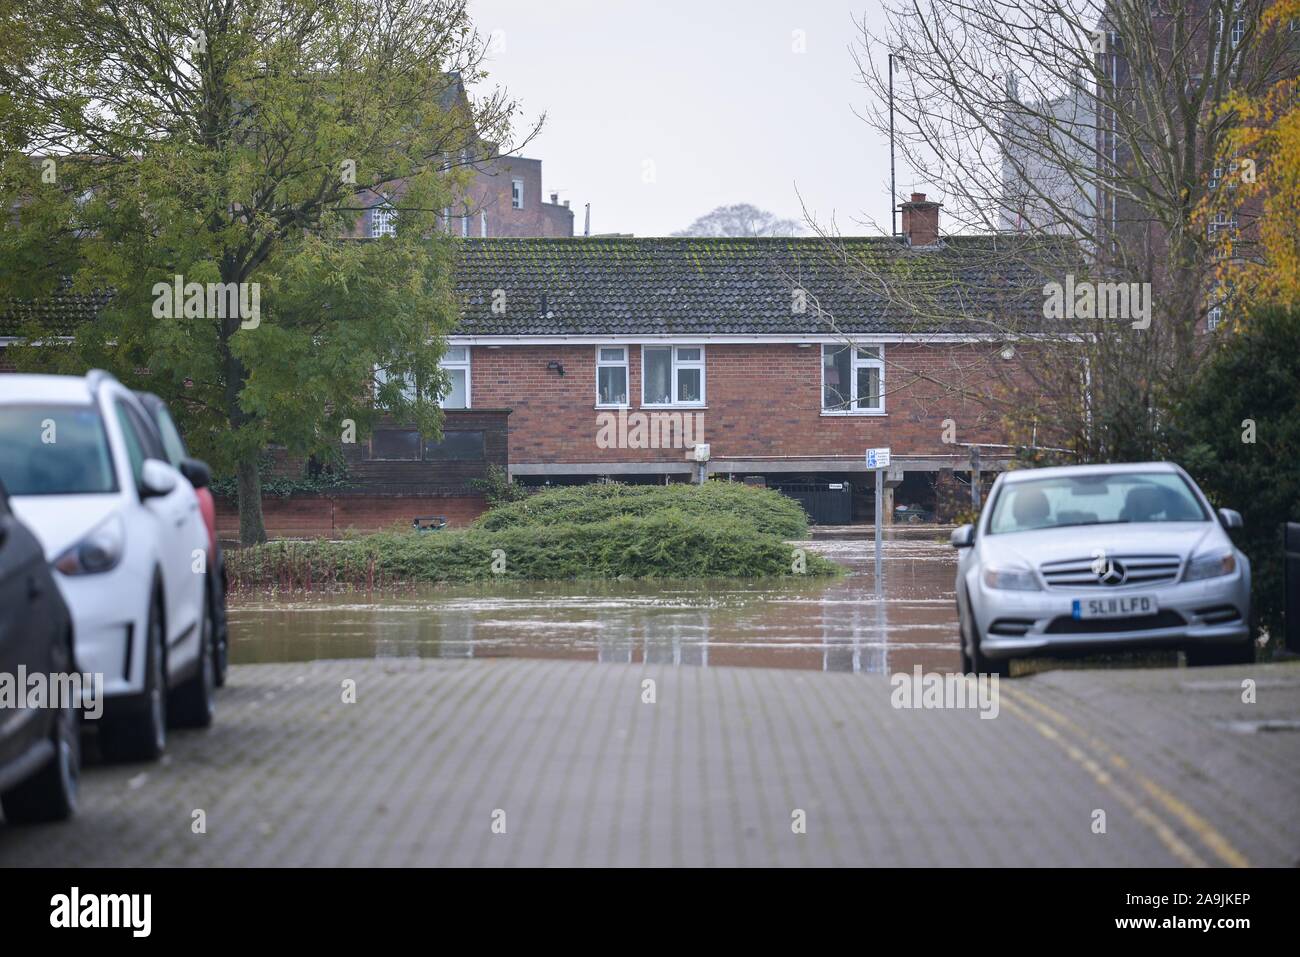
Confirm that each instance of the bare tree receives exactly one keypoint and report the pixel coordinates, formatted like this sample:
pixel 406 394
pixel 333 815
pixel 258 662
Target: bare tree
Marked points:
pixel 1091 127
pixel 741 220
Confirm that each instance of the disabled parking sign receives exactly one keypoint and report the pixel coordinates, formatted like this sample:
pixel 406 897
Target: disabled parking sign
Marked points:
pixel 878 458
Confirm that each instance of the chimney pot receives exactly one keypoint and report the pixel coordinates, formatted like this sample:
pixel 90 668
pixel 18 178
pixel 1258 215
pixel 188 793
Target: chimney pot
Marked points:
pixel 555 198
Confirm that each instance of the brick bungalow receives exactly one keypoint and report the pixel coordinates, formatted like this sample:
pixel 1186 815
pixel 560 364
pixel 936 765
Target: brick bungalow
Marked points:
pixel 787 357
pixel 590 359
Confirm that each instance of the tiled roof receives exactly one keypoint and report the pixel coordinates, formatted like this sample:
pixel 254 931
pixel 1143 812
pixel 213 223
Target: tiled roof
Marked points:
pixel 680 287
pixel 57 315
pixel 744 286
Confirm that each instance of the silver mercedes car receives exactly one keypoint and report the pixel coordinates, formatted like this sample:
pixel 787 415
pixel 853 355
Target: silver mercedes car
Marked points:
pixel 1098 558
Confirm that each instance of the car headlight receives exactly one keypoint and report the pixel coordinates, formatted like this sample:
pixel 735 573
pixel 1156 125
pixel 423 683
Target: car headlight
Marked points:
pixel 99 551
pixel 1011 579
pixel 1214 565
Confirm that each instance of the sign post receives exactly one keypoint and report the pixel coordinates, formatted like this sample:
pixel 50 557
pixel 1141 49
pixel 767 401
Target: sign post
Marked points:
pixel 878 462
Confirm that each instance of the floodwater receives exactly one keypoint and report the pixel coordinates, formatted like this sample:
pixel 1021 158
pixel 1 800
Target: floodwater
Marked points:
pixel 808 624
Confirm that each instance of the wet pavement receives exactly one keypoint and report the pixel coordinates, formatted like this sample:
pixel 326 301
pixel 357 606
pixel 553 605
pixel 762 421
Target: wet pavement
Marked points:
pixel 529 762
pixel 841 625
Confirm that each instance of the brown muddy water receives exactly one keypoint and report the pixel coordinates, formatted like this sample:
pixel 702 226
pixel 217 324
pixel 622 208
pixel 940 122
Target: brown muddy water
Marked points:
pixel 814 624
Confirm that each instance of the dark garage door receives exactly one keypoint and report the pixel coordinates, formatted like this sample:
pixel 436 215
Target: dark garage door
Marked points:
pixel 827 503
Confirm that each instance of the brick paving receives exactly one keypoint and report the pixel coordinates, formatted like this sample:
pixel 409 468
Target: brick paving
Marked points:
pixel 710 774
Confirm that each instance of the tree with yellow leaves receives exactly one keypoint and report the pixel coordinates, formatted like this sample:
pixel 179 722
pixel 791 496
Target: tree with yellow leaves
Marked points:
pixel 1262 159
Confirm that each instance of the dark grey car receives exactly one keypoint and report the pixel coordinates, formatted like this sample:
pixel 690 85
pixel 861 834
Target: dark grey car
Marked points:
pixel 40 747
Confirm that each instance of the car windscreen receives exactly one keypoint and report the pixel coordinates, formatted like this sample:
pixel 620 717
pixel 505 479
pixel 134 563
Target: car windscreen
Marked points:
pixel 54 450
pixel 1094 498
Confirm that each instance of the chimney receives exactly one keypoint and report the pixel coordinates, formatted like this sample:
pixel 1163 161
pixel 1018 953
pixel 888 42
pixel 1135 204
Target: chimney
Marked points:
pixel 586 226
pixel 555 199
pixel 920 221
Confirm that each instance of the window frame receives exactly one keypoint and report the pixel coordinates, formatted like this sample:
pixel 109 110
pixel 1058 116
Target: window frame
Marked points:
pixel 1222 221
pixel 516 193
pixel 855 363
pixel 413 392
pixel 625 365
pixel 447 365
pixel 675 364
pixel 383 220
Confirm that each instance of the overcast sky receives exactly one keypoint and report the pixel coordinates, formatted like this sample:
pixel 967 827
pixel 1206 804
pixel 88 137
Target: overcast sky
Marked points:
pixel 707 97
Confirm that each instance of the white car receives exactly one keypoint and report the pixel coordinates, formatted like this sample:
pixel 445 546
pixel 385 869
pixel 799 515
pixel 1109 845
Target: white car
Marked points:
pixel 122 530
pixel 1098 558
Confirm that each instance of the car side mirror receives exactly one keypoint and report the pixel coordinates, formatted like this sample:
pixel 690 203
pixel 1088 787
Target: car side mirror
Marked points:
pixel 963 536
pixel 1231 518
pixel 157 478
pixel 197 472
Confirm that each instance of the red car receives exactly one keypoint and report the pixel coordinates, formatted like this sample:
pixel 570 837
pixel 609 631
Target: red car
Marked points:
pixel 201 478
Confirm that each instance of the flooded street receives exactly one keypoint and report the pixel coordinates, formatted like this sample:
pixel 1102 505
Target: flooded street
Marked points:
pixel 816 625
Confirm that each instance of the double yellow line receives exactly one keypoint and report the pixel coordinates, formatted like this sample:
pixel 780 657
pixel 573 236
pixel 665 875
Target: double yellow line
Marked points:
pixel 1110 770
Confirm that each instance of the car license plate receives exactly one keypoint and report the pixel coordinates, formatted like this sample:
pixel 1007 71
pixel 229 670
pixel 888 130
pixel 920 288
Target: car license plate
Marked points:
pixel 1117 606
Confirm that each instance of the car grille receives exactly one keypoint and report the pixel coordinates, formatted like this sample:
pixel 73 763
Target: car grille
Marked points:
pixel 1139 570
pixel 1093 626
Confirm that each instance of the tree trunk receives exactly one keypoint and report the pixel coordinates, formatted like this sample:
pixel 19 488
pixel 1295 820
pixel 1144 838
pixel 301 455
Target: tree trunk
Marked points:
pixel 252 531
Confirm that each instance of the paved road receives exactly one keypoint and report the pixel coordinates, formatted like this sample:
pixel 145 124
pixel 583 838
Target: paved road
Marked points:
pixel 420 767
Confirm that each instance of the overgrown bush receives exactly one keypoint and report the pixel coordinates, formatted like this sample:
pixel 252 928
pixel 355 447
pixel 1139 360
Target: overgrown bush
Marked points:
pixel 762 509
pixel 498 488
pixel 1238 433
pixel 668 544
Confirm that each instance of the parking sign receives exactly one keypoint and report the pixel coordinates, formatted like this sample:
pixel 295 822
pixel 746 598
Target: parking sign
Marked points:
pixel 878 458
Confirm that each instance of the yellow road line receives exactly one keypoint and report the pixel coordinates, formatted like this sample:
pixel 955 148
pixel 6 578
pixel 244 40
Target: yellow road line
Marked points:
pixel 1167 836
pixel 1219 845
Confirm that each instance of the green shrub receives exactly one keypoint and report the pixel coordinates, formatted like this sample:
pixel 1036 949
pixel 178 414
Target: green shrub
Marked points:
pixel 762 509
pixel 1253 377
pixel 668 544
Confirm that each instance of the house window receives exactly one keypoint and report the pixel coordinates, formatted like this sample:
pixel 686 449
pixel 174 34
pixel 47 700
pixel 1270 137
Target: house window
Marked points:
pixel 482 224
pixel 464 226
pixel 1238 31
pixel 1224 223
pixel 517 193
pixel 408 383
pixel 406 445
pixel 395 445
pixel 455 363
pixel 456 446
pixel 853 380
pixel 1213 317
pixel 672 375
pixel 383 221
pixel 1216 177
pixel 611 375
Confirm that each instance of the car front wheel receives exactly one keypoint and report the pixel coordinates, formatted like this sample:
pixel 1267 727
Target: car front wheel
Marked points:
pixel 980 663
pixel 51 793
pixel 142 735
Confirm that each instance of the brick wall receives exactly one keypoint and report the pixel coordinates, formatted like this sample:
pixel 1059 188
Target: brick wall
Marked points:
pixel 310 516
pixel 761 400
pixel 490 192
